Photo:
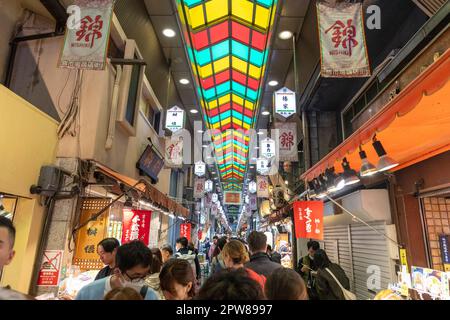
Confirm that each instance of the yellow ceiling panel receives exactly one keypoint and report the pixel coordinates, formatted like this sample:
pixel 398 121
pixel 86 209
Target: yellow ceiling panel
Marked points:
pixel 216 9
pixel 238 99
pixel 206 71
pixel 196 16
pixel 212 104
pixel 222 64
pixel 254 72
pixel 262 17
pixel 243 9
pixel 249 105
pixel 239 65
pixel 224 99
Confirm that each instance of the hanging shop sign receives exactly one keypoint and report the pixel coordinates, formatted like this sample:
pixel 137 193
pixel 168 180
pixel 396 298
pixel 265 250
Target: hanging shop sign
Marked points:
pixel 185 230
pixel 173 151
pixel 136 225
pixel 200 169
pixel 232 198
pixel 208 200
pixel 342 40
pixel 150 163
pixel 252 187
pixel 214 209
pixel 199 188
pixel 268 148
pixel 308 218
pixel 90 235
pixel 262 187
pixel 262 166
pixel 288 141
pixel 50 268
pixel 175 119
pixel 209 185
pixel 285 103
pixel 86 42
pixel 252 202
pixel 403 258
pixel 214 197
pixel 444 241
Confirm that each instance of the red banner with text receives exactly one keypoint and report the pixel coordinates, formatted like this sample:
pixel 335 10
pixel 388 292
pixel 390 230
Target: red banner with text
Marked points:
pixel 136 226
pixel 185 230
pixel 308 219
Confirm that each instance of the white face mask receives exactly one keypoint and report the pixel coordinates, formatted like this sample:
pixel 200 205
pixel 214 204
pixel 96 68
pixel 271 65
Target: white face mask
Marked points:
pixel 134 285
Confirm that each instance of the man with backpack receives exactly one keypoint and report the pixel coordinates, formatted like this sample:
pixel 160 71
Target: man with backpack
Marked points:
pixel 183 252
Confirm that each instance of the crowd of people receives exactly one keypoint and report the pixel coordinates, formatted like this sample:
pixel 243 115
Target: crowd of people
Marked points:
pixel 239 270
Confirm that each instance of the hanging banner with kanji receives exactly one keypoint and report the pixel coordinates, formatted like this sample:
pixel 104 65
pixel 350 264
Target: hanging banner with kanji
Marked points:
pixel 288 141
pixel 253 202
pixel 342 41
pixel 262 187
pixel 185 230
pixel 199 188
pixel 86 42
pixel 285 103
pixel 173 152
pixel 136 226
pixel 308 219
pixel 50 268
pixel 90 235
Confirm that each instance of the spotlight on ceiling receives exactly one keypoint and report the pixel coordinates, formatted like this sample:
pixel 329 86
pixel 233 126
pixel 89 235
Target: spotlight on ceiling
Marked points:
pixel 200 131
pixel 184 81
pixel 334 182
pixel 265 113
pixel 194 111
pixel 385 163
pixel 260 132
pixel 285 35
pixel 367 169
pixel 169 33
pixel 273 83
pixel 349 174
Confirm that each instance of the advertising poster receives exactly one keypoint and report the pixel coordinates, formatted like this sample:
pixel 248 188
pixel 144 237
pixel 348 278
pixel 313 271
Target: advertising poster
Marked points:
pixel 136 226
pixel 308 219
pixel 173 151
pixel 185 230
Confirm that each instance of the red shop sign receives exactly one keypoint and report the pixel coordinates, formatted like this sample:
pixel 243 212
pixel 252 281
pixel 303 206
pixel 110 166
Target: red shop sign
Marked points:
pixel 308 219
pixel 185 230
pixel 136 226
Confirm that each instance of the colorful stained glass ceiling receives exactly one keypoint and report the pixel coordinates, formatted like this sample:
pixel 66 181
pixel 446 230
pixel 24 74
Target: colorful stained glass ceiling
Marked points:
pixel 228 46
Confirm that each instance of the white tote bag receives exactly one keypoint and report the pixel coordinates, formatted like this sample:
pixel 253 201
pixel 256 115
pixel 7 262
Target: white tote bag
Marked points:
pixel 348 295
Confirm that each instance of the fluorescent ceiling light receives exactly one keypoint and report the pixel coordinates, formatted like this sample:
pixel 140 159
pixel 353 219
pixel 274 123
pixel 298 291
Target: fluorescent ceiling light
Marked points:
pixel 194 111
pixel 265 113
pixel 184 81
pixel 273 83
pixel 169 33
pixel 285 35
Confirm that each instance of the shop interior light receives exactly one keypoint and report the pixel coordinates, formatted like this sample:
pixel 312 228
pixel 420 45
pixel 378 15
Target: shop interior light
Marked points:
pixel 334 182
pixel 350 175
pixel 367 169
pixel 312 189
pixel 385 163
pixel 322 189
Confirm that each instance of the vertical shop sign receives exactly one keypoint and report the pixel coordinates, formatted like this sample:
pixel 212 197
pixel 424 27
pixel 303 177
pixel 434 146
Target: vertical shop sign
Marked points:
pixel 308 218
pixel 175 119
pixel 200 169
pixel 285 103
pixel 185 230
pixel 262 187
pixel 86 44
pixel 253 202
pixel 445 251
pixel 268 148
pixel 288 141
pixel 173 151
pixel 342 40
pixel 209 186
pixel 403 258
pixel 199 188
pixel 252 187
pixel 50 268
pixel 136 226
pixel 262 166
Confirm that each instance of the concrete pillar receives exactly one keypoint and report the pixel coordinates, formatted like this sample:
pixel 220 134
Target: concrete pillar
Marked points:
pixel 61 224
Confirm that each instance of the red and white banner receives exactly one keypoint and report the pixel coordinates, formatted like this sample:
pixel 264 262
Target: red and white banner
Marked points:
pixel 136 226
pixel 87 35
pixel 50 268
pixel 308 219
pixel 288 141
pixel 185 230
pixel 262 187
pixel 342 40
pixel 199 188
pixel 173 151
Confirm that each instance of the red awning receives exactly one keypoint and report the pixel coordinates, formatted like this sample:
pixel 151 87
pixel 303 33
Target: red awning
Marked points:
pixel 412 127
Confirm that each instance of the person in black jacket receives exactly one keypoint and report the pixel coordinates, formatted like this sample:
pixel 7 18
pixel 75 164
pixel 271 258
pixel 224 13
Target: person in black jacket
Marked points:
pixel 326 286
pixel 273 255
pixel 259 260
pixel 107 249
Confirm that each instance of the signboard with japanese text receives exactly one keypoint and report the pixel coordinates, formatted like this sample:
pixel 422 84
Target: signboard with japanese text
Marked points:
pixel 285 103
pixel 444 244
pixel 185 230
pixel 268 148
pixel 199 188
pixel 214 197
pixel 308 219
pixel 262 166
pixel 200 168
pixel 175 119
pixel 208 200
pixel 214 209
pixel 86 42
pixel 342 40
pixel 90 235
pixel 253 202
pixel 209 185
pixel 252 187
pixel 232 198
pixel 173 154
pixel 262 189
pixel 288 141
pixel 50 268
pixel 136 226
pixel 150 163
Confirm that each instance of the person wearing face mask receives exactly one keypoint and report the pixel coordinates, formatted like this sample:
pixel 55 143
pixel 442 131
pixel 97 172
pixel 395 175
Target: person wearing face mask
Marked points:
pixel 307 268
pixel 133 262
pixel 177 280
